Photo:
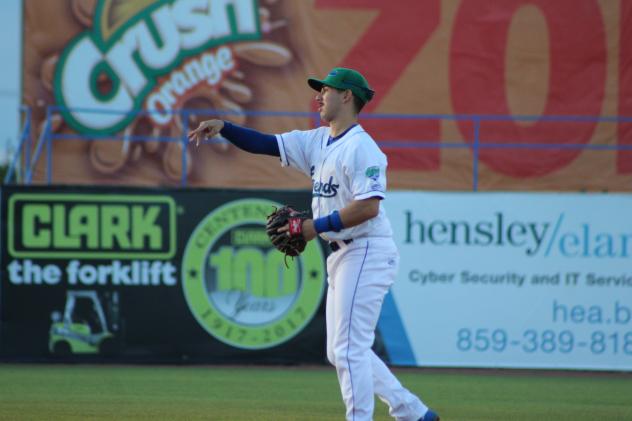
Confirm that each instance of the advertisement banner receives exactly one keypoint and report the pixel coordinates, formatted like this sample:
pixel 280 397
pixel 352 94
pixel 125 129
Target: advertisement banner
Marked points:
pixel 248 61
pixel 511 280
pixel 152 274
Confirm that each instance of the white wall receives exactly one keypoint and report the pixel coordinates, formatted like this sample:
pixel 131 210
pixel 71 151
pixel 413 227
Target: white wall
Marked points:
pixel 11 59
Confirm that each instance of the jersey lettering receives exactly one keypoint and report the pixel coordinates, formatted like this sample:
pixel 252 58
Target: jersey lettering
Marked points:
pixel 328 189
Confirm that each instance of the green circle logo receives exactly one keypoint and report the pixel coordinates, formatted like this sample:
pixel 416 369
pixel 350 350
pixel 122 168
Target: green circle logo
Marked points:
pixel 237 285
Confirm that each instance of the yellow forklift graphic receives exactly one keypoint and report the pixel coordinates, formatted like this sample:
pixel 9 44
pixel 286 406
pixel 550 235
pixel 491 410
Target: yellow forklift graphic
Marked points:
pixel 83 328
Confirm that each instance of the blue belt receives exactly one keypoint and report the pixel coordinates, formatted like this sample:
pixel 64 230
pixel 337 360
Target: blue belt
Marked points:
pixel 334 246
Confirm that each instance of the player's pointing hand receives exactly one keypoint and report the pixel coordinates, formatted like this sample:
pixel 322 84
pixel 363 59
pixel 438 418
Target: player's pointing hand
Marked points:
pixel 205 130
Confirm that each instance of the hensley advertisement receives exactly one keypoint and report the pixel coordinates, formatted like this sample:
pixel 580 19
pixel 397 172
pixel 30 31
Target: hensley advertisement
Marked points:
pixel 512 280
pixel 155 274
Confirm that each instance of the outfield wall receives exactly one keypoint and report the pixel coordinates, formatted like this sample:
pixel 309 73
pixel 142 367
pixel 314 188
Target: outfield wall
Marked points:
pixel 511 280
pixel 155 274
pixel 486 280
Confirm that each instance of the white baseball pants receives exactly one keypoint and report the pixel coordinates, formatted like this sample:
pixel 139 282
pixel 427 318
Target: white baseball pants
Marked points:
pixel 359 276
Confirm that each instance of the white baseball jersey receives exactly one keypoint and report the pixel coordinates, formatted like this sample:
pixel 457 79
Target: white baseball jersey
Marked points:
pixel 351 168
pixel 358 273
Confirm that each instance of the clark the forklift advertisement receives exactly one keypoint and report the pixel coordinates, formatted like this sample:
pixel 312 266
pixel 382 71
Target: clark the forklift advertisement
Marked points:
pixel 138 273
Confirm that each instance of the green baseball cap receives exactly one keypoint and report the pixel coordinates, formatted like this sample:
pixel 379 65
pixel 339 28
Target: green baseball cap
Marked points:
pixel 341 78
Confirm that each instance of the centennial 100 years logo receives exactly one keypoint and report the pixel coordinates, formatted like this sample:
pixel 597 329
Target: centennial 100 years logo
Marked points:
pixel 238 286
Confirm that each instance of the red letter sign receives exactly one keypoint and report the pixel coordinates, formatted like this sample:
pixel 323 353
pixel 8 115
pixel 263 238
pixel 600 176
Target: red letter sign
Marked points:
pixel 382 62
pixel 576 85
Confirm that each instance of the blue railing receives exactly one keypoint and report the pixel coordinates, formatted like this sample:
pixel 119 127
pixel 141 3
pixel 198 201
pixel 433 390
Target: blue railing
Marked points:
pixel 18 168
pixel 47 136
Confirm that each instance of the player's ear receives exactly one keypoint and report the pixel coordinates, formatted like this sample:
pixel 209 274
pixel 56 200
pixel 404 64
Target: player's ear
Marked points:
pixel 348 96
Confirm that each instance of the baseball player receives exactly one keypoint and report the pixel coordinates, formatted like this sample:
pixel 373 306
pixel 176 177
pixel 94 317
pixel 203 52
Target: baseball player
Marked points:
pixel 348 173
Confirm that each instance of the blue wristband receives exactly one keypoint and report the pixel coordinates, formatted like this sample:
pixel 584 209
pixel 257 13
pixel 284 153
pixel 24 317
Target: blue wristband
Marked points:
pixel 336 222
pixel 331 222
pixel 322 224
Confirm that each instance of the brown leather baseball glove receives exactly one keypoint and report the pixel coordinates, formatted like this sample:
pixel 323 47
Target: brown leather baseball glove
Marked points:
pixel 291 243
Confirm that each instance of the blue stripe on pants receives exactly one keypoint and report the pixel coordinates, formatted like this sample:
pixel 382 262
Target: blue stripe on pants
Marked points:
pixel 350 321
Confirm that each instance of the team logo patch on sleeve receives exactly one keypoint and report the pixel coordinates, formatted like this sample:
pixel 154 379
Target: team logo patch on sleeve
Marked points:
pixel 373 173
pixel 377 187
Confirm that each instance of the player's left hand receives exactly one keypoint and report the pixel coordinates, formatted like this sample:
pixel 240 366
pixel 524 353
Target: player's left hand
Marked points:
pixel 309 232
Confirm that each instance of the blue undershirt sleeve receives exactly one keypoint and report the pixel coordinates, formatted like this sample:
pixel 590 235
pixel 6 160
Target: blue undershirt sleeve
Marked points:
pixel 250 140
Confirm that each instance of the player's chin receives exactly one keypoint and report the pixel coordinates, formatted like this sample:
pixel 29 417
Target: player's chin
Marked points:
pixel 324 116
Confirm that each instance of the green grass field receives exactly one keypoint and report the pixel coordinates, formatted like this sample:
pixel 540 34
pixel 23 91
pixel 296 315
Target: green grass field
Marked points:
pixel 78 392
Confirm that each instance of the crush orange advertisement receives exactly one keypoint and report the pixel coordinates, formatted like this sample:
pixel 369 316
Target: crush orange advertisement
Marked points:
pixel 511 95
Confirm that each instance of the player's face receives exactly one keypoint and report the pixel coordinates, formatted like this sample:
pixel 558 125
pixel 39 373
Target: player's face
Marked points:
pixel 329 102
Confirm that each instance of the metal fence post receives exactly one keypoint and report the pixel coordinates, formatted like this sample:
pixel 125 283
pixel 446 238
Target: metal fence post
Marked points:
pixel 184 139
pixel 49 149
pixel 19 163
pixel 477 127
pixel 28 141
